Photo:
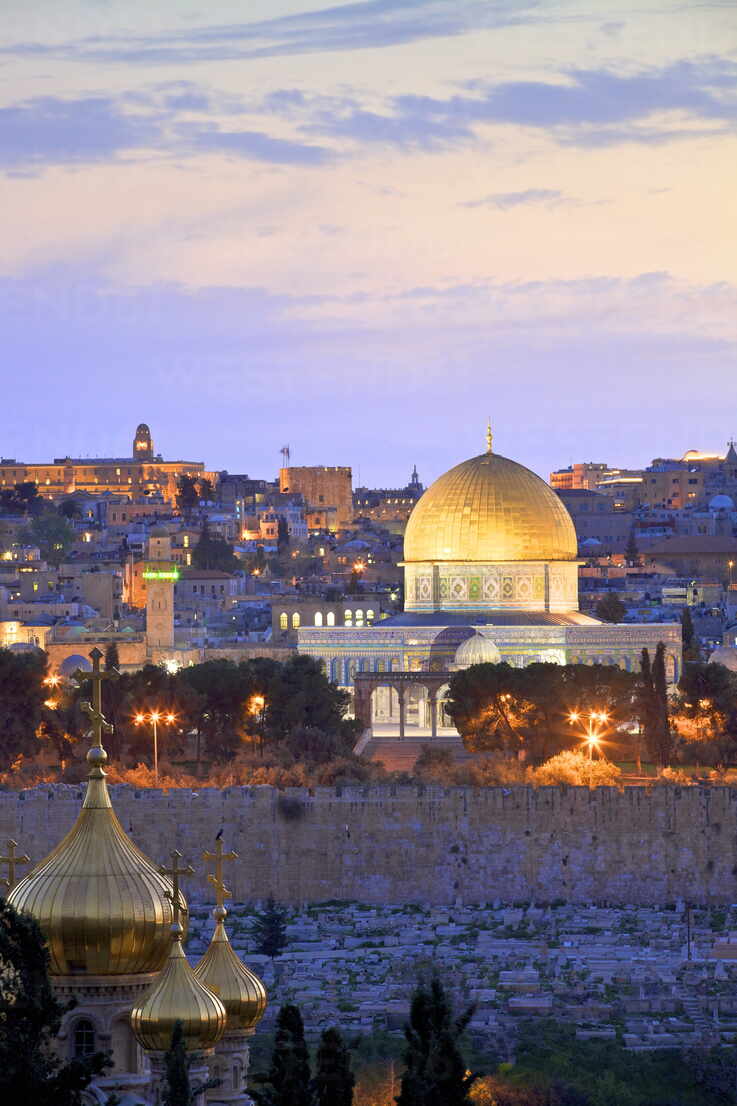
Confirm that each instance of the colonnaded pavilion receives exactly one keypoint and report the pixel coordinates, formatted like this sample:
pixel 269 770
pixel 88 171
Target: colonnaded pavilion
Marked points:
pixel 491 574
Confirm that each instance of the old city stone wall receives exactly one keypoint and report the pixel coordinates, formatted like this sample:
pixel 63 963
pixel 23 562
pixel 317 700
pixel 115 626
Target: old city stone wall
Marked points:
pixel 434 845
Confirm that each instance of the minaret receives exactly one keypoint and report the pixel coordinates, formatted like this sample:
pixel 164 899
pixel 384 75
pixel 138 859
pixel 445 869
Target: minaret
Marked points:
pixel 241 992
pixel 160 573
pixel 178 996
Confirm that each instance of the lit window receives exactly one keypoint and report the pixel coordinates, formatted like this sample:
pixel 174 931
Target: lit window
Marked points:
pixel 369 616
pixel 295 620
pixel 318 618
pixel 283 621
pixel 331 618
pixel 348 618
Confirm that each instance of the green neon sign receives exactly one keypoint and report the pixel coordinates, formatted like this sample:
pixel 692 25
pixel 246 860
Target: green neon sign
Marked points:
pixel 161 575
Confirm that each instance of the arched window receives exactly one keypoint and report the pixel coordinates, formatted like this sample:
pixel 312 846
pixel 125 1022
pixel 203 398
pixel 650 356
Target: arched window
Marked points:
pixel 331 618
pixel 348 618
pixel 84 1038
pixel 295 620
pixel 369 616
pixel 236 1076
pixel 318 618
pixel 283 621
pixel 359 617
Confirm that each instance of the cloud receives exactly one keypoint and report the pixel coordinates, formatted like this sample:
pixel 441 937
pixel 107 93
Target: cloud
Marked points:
pixel 51 131
pixel 364 24
pixel 506 200
pixel 259 147
pixel 48 130
pixel 585 107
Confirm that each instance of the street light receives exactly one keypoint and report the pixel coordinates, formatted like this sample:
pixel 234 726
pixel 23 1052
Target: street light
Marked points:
pixel 257 705
pixel 154 717
pixel 592 722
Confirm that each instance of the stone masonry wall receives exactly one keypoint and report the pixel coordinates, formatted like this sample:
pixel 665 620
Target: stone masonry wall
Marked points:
pixel 432 845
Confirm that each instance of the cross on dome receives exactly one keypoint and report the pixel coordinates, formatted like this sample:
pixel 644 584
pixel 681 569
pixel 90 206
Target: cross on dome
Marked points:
pixel 12 860
pixel 174 896
pixel 221 891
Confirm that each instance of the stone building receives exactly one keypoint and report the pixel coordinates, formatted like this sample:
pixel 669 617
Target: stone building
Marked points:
pixel 327 492
pixel 489 549
pixel 143 473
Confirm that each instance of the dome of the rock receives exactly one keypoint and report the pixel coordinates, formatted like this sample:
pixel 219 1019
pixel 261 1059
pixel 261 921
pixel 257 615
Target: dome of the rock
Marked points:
pixel 489 509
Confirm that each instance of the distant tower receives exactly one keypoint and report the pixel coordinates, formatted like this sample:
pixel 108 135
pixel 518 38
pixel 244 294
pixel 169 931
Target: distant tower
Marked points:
pixel 143 444
pixel 415 480
pixel 160 573
pixel 285 456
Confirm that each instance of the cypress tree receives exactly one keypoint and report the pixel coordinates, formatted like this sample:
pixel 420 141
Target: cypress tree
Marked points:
pixel 177 1091
pixel 112 659
pixel 30 1019
pixel 288 1081
pixel 436 1073
pixel 663 737
pixel 269 930
pixel 691 649
pixel 334 1080
pixel 632 553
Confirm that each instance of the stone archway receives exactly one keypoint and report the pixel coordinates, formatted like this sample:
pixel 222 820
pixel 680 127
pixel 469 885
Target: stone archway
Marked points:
pixel 404 684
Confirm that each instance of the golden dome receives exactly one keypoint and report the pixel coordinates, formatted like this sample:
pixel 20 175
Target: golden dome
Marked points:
pixel 100 903
pixel 242 993
pixel 489 509
pixel 177 995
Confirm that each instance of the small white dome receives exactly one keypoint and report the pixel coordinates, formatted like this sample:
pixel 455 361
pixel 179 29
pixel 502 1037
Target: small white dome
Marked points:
pixel 721 502
pixel 726 655
pixel 476 650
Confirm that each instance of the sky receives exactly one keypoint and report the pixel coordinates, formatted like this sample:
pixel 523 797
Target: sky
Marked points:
pixel 360 229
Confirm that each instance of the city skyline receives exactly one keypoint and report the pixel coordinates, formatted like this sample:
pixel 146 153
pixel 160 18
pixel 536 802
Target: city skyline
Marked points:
pixel 360 229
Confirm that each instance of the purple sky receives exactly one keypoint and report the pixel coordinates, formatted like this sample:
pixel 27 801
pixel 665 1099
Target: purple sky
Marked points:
pixel 361 228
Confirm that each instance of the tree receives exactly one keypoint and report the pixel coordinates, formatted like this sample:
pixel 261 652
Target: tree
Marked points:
pixel 30 1019
pixel 112 660
pixel 22 696
pixel 436 1073
pixel 288 1081
pixel 269 930
pixel 177 1089
pixel 611 609
pixel 213 553
pixel 691 650
pixel 334 1079
pixel 283 535
pixel 653 706
pixel 632 553
pixel 187 494
pixel 205 489
pixel 52 534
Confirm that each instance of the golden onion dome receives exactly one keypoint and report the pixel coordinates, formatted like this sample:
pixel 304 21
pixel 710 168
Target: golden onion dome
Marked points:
pixel 178 996
pixel 241 991
pixel 489 509
pixel 100 902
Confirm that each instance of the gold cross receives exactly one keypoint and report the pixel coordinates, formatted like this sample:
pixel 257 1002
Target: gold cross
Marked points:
pixel 174 896
pixel 12 861
pixel 221 891
pixel 100 724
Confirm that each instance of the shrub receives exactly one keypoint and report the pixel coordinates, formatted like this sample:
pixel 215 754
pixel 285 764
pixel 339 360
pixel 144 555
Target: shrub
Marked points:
pixel 577 770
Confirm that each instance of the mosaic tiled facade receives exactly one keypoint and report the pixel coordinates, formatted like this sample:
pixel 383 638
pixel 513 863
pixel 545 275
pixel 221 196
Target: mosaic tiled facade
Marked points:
pixel 525 586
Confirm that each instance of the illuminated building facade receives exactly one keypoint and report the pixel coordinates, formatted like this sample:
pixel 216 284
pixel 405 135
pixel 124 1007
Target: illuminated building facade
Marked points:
pixel 143 473
pixel 489 550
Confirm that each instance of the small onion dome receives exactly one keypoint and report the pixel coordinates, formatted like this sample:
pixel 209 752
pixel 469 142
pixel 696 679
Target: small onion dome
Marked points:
pixel 177 995
pixel 726 655
pixel 100 902
pixel 242 993
pixel 477 649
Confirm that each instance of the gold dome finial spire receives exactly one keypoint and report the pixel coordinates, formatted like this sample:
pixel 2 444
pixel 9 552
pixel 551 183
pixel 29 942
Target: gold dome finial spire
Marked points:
pixel 221 891
pixel 175 896
pixel 489 436
pixel 97 756
pixel 220 969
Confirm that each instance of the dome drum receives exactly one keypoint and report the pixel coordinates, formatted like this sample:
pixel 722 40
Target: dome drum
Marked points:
pixel 525 586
